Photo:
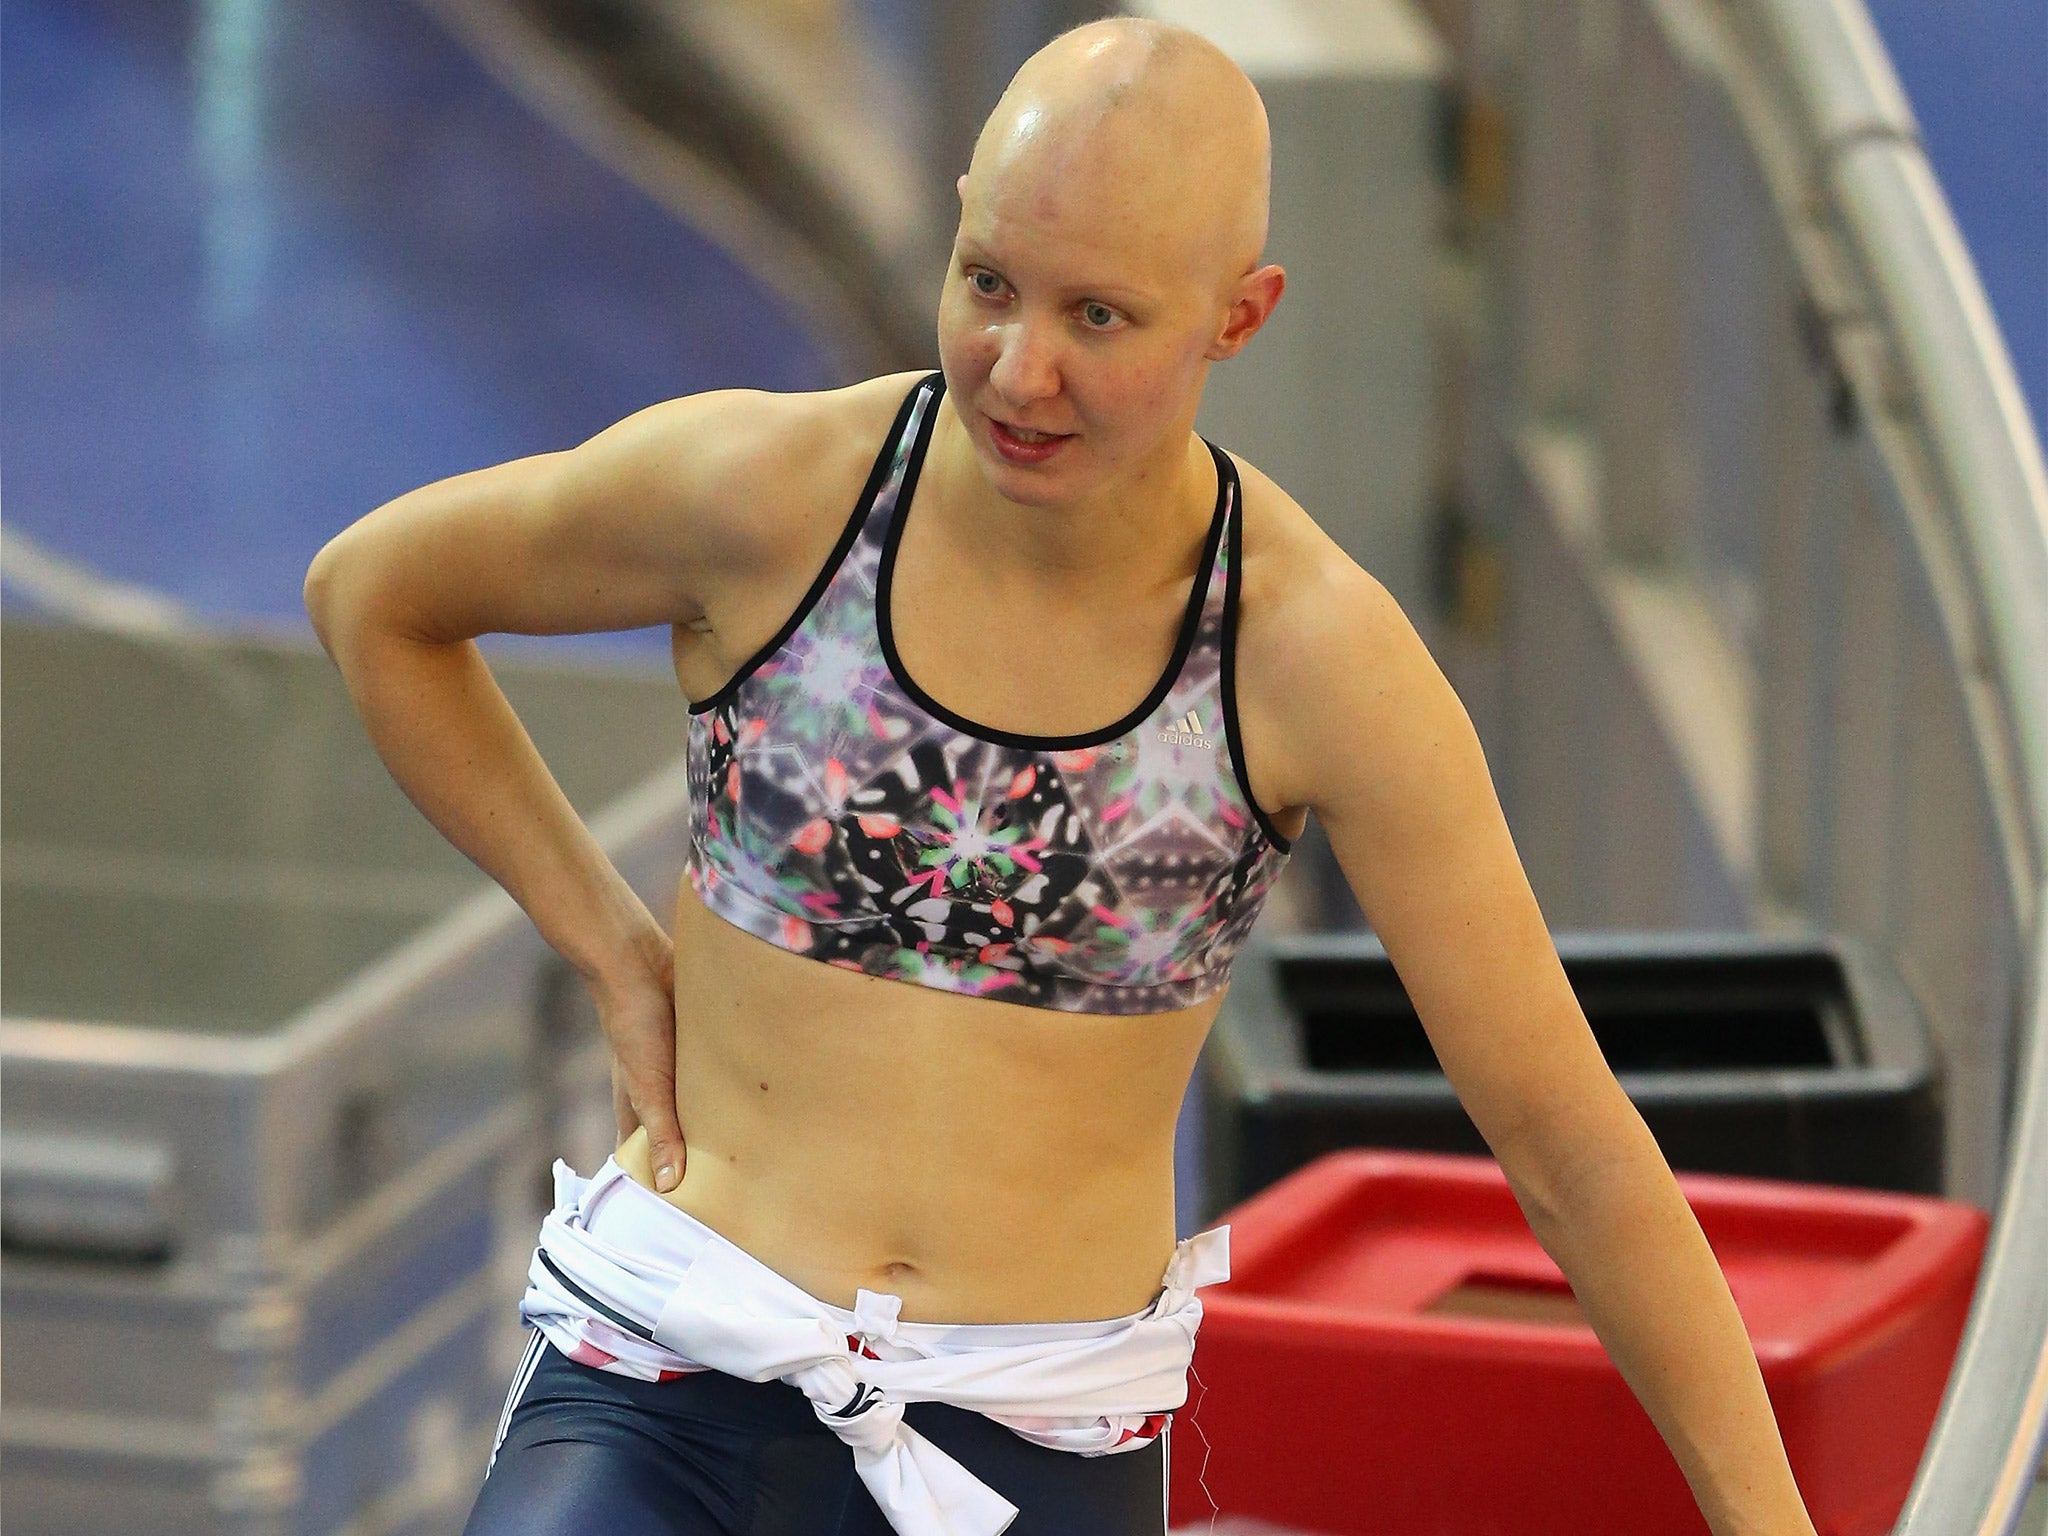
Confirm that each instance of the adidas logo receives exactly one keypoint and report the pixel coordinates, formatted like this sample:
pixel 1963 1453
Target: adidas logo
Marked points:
pixel 1187 732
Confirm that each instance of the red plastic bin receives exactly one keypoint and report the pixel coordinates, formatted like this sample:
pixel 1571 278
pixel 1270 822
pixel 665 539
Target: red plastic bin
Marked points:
pixel 1396 1355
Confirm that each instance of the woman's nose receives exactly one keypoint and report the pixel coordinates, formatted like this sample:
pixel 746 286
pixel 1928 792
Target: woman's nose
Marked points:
pixel 1026 368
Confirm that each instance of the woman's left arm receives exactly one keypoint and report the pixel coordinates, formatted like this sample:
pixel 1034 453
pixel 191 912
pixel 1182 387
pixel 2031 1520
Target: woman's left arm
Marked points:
pixel 1370 736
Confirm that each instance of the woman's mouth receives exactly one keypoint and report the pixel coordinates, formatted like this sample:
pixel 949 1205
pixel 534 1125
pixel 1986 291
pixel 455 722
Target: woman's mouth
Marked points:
pixel 1022 445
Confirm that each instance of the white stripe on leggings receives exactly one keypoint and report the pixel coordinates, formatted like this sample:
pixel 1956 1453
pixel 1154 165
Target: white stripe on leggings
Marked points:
pixel 1166 1476
pixel 528 1363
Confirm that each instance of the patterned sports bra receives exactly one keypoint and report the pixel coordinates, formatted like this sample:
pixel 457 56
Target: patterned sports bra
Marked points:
pixel 840 812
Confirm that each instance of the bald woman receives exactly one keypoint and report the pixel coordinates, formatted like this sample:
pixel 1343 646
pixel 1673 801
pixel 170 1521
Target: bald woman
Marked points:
pixel 1009 694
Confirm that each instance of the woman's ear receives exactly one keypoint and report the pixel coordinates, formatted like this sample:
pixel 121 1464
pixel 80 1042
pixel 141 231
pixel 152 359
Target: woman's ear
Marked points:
pixel 1255 297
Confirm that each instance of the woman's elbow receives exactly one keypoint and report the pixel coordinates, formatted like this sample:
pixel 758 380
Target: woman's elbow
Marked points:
pixel 339 583
pixel 322 585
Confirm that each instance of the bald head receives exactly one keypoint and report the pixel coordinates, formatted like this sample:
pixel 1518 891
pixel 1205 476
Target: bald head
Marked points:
pixel 1145 130
pixel 1108 253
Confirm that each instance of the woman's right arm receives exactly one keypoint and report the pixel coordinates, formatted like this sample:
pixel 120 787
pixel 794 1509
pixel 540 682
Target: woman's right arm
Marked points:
pixel 632 528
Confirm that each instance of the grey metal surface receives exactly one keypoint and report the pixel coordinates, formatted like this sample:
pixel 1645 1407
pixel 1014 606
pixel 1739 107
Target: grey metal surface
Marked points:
pixel 355 1373
pixel 274 1064
pixel 1987 1446
pixel 1952 380
pixel 2033 1519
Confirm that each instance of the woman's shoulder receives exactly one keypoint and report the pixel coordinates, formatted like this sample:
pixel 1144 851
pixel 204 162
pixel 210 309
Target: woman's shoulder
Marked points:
pixel 1311 621
pixel 757 476
pixel 755 439
pixel 1288 559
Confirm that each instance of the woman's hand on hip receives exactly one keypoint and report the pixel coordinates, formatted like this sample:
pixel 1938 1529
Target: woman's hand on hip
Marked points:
pixel 637 1010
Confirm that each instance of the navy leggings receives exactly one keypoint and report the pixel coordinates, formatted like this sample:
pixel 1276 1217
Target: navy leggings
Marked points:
pixel 584 1450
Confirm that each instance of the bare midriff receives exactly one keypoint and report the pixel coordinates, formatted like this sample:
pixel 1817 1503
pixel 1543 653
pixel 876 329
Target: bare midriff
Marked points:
pixel 986 1162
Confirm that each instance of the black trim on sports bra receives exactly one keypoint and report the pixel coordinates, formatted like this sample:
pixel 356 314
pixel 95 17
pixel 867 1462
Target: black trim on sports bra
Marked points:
pixel 1190 623
pixel 1233 732
pixel 847 537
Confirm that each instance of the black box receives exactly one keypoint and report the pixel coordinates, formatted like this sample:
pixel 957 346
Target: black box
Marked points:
pixel 1793 1058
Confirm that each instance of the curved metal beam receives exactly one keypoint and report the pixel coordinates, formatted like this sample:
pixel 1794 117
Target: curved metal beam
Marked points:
pixel 1871 173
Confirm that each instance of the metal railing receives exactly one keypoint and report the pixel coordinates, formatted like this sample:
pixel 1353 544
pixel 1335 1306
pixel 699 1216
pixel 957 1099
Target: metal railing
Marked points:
pixel 1964 411
pixel 1757 388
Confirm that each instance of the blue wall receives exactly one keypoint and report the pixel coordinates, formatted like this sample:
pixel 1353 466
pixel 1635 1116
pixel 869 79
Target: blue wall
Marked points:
pixel 1977 73
pixel 272 262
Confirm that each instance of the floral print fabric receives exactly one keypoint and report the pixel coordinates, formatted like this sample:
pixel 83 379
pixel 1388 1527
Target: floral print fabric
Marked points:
pixel 836 814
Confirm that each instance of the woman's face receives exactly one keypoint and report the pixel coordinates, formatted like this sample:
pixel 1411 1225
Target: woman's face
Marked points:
pixel 1075 341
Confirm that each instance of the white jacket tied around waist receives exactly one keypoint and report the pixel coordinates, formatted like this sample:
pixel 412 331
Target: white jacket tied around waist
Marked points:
pixel 620 1269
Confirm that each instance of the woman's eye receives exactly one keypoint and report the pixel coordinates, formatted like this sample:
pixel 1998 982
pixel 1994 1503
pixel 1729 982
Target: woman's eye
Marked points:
pixel 1098 314
pixel 985 283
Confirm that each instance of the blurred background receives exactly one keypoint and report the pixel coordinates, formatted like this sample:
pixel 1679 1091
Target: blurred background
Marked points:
pixel 1676 363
